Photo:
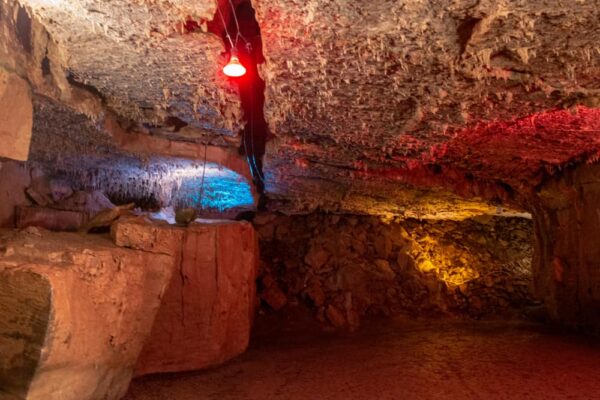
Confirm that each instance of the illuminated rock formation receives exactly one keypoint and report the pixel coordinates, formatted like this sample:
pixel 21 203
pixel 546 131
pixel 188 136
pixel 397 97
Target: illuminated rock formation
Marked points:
pixel 75 313
pixel 206 315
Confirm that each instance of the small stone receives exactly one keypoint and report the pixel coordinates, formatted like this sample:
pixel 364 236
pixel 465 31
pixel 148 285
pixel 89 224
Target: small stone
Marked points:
pixel 272 294
pixel 384 269
pixel 335 316
pixel 38 198
pixel 315 292
pixel 316 257
pixel 185 216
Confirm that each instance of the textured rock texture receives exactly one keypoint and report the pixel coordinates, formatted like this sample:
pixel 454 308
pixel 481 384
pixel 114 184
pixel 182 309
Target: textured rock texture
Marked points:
pixel 348 267
pixel 567 261
pixel 380 108
pixel 75 311
pixel 381 89
pixel 15 178
pixel 142 62
pixel 207 312
pixel 16 116
pixel 49 218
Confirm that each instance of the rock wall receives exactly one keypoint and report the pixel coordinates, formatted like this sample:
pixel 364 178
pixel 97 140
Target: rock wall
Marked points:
pixel 567 262
pixel 350 267
pixel 16 116
pixel 206 315
pixel 80 314
pixel 74 313
pixel 15 177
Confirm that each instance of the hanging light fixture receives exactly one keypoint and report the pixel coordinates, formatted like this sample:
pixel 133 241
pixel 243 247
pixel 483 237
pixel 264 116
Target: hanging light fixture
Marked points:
pixel 234 68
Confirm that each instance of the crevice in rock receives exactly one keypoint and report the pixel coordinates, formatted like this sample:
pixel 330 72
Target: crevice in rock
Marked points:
pixel 465 31
pixel 251 86
pixel 24 29
pixel 75 82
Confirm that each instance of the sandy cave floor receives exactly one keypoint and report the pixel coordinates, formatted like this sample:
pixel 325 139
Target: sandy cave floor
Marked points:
pixel 400 359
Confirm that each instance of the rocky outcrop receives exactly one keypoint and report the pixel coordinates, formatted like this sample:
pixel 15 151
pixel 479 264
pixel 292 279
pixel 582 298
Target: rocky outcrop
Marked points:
pixel 15 178
pixel 206 315
pixel 347 268
pixel 567 261
pixel 77 312
pixel 16 116
pixel 74 313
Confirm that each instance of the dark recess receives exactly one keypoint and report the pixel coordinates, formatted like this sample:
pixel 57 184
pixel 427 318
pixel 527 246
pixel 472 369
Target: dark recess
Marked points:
pixel 73 80
pixel 24 29
pixel 465 31
pixel 46 66
pixel 251 86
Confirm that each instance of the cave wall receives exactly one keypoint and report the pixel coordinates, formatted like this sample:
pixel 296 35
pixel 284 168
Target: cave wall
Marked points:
pixel 567 260
pixel 15 177
pixel 346 268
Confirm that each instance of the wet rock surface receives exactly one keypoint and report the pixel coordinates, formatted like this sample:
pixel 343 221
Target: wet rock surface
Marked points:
pixel 347 267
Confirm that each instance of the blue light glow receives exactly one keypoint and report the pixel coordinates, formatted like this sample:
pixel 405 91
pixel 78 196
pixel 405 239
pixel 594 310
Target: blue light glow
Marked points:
pixel 223 190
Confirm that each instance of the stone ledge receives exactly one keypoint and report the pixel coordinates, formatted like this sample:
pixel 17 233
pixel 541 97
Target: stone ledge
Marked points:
pixel 76 333
pixel 206 315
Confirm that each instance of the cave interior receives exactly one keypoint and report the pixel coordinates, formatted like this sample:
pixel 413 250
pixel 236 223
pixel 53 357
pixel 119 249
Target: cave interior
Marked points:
pixel 236 199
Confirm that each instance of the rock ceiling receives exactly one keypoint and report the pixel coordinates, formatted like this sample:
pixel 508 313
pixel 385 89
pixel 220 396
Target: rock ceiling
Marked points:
pixel 416 108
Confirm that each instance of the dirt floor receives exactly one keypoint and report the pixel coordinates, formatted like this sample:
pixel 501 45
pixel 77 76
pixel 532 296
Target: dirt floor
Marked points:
pixel 401 359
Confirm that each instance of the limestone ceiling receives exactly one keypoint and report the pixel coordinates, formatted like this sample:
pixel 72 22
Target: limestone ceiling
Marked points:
pixel 374 106
pixel 138 57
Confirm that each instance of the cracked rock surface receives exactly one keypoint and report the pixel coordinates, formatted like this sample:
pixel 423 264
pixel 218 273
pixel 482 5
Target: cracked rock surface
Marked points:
pixel 400 108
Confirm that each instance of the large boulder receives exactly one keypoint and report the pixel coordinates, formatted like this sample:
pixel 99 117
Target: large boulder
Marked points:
pixel 74 313
pixel 207 312
pixel 16 116
pixel 567 258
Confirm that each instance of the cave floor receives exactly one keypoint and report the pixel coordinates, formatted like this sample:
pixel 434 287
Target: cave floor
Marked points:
pixel 399 359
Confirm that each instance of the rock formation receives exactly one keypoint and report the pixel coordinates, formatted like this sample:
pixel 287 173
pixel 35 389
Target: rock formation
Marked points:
pixel 77 311
pixel 346 268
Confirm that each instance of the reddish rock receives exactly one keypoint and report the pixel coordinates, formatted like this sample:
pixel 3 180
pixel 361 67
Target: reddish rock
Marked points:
pixel 272 294
pixel 14 179
pixel 316 257
pixel 567 276
pixel 49 218
pixel 74 313
pixel 16 116
pixel 207 312
pixel 153 236
pixel 335 316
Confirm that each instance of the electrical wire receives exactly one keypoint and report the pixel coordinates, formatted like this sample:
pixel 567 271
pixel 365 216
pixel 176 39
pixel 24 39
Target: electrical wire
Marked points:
pixel 237 24
pixel 258 171
pixel 203 175
pixel 225 26
pixel 250 156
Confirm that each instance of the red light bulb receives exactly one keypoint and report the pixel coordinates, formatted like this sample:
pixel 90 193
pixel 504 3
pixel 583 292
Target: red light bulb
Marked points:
pixel 234 68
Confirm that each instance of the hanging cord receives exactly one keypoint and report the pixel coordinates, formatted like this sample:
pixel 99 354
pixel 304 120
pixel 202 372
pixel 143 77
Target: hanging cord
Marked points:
pixel 258 171
pixel 203 175
pixel 250 156
pixel 225 26
pixel 237 25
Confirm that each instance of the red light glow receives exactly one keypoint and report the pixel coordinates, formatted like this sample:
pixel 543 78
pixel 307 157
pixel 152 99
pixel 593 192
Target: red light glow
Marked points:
pixel 234 68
